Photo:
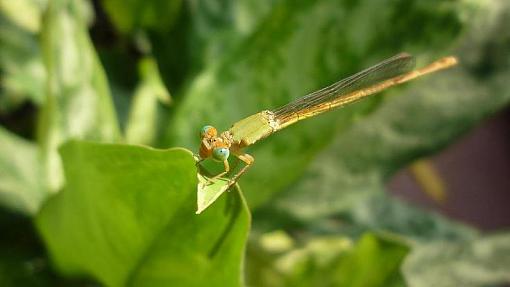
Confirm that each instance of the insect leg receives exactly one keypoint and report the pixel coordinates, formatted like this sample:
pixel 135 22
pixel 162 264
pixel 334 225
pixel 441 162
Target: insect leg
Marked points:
pixel 248 160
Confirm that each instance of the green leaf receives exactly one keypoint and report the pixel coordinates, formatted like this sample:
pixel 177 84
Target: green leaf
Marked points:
pixel 360 160
pixel 128 16
pixel 25 13
pixel 208 193
pixel 20 172
pixel 375 261
pixel 78 103
pixel 481 262
pixel 142 126
pixel 127 217
pixel 23 74
pixel 381 212
pixel 331 260
pixel 218 26
pixel 210 187
pixel 294 50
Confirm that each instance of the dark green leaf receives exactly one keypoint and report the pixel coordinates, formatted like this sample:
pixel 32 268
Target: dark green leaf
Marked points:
pixel 22 257
pixel 18 269
pixel 128 16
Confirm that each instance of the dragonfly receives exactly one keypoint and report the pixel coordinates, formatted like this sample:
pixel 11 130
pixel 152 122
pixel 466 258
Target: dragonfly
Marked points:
pixel 246 132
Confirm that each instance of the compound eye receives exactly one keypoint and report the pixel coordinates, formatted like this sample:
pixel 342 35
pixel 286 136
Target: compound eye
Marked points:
pixel 208 132
pixel 220 153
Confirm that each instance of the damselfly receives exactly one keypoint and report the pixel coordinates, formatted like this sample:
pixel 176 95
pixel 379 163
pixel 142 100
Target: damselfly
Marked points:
pixel 393 71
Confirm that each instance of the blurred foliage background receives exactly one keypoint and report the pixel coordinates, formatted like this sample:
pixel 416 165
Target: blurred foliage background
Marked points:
pixel 89 89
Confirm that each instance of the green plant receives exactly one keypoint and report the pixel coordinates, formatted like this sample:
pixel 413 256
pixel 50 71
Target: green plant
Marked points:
pixel 113 205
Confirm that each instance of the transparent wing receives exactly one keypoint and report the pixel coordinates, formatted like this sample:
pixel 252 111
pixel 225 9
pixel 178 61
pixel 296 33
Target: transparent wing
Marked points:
pixel 387 69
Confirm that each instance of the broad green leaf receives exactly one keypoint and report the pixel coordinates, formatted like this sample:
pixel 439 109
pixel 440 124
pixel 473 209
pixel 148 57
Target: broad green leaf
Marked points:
pixel 294 50
pixel 128 16
pixel 472 263
pixel 20 173
pixel 331 260
pixel 143 122
pixel 78 103
pixel 127 217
